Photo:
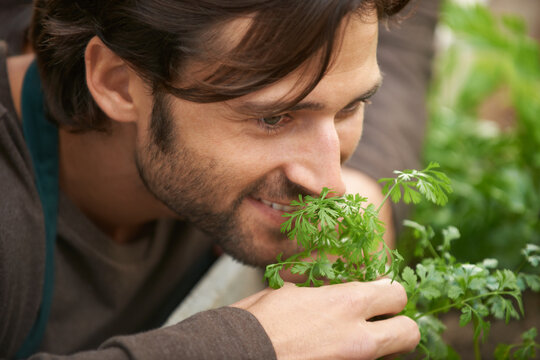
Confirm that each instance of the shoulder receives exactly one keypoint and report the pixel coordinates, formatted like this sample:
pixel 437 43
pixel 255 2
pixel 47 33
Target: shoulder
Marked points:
pixel 21 234
pixel 22 255
pixel 16 68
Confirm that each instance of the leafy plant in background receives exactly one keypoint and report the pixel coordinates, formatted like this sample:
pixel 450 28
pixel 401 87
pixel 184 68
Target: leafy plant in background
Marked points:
pixel 342 241
pixel 494 165
pixel 479 291
pixel 526 349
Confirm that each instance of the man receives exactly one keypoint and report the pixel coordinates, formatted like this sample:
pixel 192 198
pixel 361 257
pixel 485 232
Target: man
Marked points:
pixel 215 114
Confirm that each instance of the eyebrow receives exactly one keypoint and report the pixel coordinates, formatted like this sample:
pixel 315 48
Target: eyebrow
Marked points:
pixel 254 107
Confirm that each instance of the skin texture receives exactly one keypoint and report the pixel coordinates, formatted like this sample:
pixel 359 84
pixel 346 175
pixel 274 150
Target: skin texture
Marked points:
pixel 234 162
pixel 219 164
pixel 224 149
pixel 341 328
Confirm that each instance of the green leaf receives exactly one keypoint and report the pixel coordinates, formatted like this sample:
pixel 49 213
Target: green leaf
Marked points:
pixel 509 310
pixel 525 352
pixel 414 225
pixel 409 278
pixel 431 341
pixel 324 269
pixel 532 281
pixel 481 329
pixel 430 292
pixel 534 260
pixel 422 272
pixel 450 234
pixel 532 248
pixel 465 317
pixel 454 292
pixel 502 352
pixel 410 195
pixel 272 275
pixel 300 268
pixel 477 284
pixel 497 306
pixel 490 263
pixel 395 193
pixel 507 280
pixel 529 335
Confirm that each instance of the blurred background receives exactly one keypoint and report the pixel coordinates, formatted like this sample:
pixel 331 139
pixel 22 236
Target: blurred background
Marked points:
pixel 484 130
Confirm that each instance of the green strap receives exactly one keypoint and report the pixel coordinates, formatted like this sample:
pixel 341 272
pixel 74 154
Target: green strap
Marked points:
pixel 42 142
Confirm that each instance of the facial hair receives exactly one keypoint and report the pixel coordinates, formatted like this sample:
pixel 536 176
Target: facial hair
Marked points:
pixel 192 185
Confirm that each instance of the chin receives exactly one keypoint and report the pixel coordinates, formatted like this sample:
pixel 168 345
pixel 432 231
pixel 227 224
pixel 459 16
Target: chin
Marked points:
pixel 258 248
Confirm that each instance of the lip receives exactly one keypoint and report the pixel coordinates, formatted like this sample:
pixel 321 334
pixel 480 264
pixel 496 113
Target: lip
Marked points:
pixel 274 215
pixel 276 205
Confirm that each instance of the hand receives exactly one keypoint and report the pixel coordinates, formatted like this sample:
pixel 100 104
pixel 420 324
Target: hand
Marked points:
pixel 332 322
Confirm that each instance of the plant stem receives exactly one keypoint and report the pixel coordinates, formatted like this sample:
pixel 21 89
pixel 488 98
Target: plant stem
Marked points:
pixel 521 266
pixel 287 263
pixel 476 340
pixel 432 250
pixel 477 354
pixel 396 182
pixel 424 349
pixel 462 302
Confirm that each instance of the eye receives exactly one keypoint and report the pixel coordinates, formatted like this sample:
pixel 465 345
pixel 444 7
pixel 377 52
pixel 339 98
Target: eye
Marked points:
pixel 272 124
pixel 272 120
pixel 354 106
pixel 352 109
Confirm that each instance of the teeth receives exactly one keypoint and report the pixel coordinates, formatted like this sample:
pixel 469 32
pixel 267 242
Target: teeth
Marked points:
pixel 278 206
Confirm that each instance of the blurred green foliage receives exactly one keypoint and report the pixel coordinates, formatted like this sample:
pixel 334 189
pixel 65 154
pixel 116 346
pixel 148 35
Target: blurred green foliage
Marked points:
pixel 494 165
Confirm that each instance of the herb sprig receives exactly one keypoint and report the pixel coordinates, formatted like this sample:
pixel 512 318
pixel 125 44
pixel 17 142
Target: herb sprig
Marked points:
pixel 342 237
pixel 342 240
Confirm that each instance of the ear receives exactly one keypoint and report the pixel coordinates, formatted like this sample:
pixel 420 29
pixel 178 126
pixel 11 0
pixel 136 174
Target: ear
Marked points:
pixel 110 81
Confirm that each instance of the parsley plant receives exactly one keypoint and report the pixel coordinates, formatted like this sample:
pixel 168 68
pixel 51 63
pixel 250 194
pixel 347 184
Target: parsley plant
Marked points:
pixel 342 240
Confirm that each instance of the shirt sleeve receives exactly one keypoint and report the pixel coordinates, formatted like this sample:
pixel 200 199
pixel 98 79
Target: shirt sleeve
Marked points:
pixel 395 122
pixel 224 333
pixel 21 231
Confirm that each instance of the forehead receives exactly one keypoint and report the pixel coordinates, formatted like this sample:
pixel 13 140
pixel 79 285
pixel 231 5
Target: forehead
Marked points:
pixel 358 44
pixel 241 56
pixel 353 69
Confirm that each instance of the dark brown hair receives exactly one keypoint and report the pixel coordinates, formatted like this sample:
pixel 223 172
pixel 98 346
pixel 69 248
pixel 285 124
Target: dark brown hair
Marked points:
pixel 159 37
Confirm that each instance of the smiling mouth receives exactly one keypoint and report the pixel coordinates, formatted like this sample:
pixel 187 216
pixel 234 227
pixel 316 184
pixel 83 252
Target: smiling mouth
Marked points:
pixel 277 206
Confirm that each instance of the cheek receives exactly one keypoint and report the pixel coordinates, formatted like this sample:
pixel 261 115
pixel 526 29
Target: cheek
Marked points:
pixel 249 160
pixel 239 161
pixel 239 157
pixel 349 135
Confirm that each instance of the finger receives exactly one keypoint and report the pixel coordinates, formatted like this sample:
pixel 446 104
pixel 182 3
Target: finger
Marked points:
pixel 396 335
pixel 375 298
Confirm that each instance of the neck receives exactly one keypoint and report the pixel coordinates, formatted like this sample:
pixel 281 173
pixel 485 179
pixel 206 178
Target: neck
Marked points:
pixel 98 174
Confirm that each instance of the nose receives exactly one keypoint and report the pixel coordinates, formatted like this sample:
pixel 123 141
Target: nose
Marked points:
pixel 316 162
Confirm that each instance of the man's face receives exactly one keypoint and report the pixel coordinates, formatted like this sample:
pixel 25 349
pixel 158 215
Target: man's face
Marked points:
pixel 232 172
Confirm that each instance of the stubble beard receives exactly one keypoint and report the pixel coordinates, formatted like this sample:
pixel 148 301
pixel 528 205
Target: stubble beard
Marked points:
pixel 192 186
